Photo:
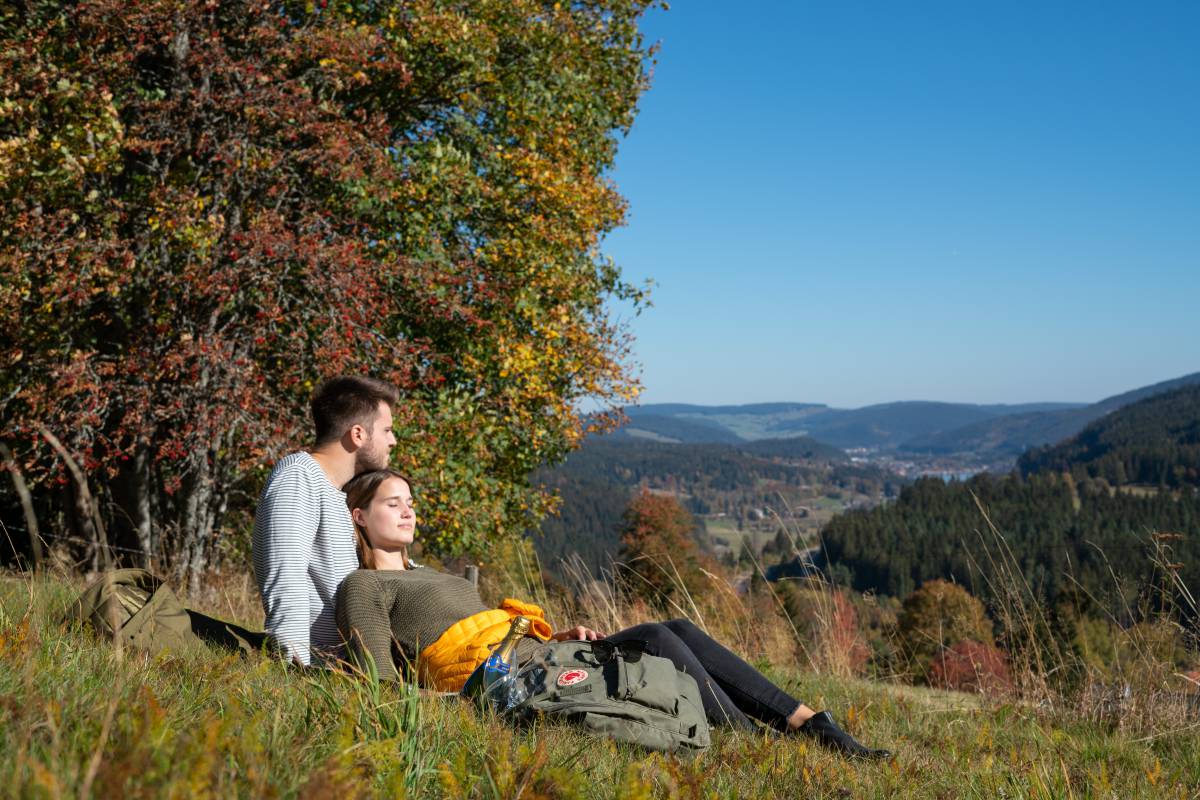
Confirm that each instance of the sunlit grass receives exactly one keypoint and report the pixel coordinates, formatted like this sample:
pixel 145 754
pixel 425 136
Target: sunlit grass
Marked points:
pixel 80 718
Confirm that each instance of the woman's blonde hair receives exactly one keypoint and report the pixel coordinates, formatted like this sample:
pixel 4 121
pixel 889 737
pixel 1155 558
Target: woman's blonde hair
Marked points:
pixel 360 491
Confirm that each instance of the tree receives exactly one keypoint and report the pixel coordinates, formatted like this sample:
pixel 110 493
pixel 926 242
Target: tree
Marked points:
pixel 207 207
pixel 936 616
pixel 658 547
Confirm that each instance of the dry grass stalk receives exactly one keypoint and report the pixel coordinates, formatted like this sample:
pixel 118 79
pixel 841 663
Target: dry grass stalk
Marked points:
pixel 1141 691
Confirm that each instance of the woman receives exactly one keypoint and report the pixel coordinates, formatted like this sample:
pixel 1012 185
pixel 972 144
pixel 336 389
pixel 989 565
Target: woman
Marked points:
pixel 398 613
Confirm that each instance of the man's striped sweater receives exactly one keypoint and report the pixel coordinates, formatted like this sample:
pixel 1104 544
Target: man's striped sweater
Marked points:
pixel 303 548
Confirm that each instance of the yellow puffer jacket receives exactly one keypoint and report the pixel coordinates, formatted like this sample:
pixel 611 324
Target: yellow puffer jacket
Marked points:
pixel 446 664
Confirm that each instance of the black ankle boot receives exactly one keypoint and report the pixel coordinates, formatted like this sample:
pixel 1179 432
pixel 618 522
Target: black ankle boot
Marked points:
pixel 822 728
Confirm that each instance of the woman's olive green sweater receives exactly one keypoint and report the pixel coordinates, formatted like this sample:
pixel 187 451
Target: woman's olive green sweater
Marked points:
pixel 395 614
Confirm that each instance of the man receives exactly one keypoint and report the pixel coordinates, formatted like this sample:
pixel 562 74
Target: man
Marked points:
pixel 303 535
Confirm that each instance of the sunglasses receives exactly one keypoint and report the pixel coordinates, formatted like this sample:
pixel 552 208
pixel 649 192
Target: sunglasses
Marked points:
pixel 631 650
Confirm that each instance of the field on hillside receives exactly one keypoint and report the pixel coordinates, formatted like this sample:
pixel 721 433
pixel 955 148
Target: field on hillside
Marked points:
pixel 79 718
pixel 802 515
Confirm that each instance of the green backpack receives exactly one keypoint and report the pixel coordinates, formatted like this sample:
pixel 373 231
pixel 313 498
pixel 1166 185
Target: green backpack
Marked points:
pixel 144 613
pixel 640 699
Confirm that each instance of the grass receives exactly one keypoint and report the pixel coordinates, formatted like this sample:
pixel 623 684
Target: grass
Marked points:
pixel 80 718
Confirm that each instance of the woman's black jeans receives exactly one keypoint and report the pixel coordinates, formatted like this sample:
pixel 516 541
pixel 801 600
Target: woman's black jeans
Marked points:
pixel 730 688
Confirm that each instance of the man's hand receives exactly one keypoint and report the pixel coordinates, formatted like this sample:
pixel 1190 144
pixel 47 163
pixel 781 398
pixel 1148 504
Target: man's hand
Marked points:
pixel 579 633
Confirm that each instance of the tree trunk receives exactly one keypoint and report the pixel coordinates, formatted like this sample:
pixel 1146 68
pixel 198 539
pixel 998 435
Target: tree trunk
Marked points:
pixel 201 510
pixel 86 511
pixel 133 529
pixel 22 489
pixel 143 521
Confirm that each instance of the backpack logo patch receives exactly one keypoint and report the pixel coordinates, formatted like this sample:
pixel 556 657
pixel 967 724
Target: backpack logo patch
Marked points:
pixel 571 677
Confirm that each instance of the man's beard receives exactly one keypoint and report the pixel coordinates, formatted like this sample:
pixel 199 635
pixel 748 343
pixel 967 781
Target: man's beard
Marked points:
pixel 366 458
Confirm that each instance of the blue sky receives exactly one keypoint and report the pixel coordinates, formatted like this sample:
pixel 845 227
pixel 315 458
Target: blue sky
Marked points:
pixel 854 202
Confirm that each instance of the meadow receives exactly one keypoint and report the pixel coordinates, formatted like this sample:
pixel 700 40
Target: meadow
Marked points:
pixel 80 718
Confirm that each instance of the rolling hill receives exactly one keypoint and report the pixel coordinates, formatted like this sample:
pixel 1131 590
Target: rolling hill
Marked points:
pixel 885 425
pixel 675 430
pixel 988 431
pixel 1154 441
pixel 744 423
pixel 1012 434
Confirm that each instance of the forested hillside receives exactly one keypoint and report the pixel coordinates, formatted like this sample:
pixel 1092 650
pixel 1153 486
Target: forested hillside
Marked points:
pixel 887 424
pixel 1012 434
pixel 1154 442
pixel 796 448
pixel 1064 535
pixel 884 426
pixel 744 422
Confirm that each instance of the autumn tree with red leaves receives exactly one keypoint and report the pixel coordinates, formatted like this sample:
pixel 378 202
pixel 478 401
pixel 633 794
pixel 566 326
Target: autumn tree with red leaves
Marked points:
pixel 658 548
pixel 207 207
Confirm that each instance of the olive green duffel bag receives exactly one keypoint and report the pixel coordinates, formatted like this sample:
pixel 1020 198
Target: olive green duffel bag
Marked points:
pixel 615 691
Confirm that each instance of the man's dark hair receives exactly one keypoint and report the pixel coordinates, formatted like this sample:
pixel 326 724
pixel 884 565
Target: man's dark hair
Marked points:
pixel 348 400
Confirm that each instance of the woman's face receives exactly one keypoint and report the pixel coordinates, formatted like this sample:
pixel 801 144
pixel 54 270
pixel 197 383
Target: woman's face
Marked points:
pixel 389 519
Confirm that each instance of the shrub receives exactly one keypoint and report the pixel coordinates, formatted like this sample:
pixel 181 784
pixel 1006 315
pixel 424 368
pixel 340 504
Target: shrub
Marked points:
pixel 207 207
pixel 970 666
pixel 826 621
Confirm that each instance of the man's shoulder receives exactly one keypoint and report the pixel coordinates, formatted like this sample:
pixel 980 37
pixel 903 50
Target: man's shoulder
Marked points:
pixel 295 481
pixel 301 461
pixel 295 467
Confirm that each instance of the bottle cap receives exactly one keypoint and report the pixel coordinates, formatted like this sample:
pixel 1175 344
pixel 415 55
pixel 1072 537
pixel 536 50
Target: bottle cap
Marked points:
pixel 521 625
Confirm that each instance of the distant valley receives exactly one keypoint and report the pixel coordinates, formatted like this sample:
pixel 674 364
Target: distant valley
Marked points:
pixel 748 471
pixel 741 494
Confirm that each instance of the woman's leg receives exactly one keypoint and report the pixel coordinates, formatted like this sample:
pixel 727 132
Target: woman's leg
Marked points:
pixel 749 689
pixel 661 641
pixel 761 699
pixel 729 686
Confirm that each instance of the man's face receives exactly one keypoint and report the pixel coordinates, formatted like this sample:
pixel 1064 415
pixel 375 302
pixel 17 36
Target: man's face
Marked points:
pixel 373 453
